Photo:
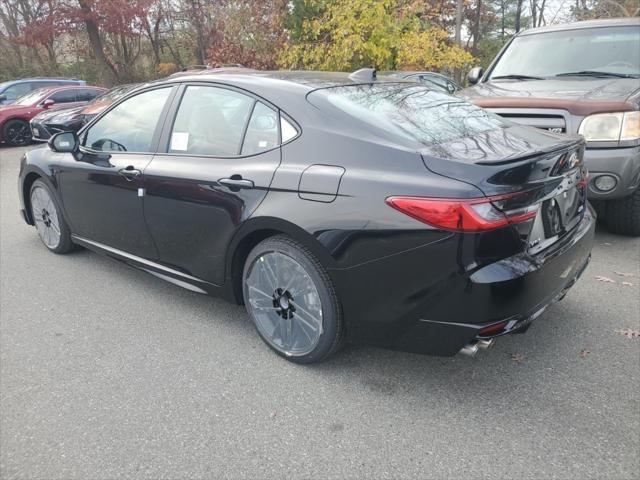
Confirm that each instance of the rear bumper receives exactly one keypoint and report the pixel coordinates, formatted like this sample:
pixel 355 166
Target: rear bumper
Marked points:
pixel 449 312
pixel 621 163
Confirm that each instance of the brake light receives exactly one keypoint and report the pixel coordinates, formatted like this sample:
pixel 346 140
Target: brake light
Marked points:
pixel 465 215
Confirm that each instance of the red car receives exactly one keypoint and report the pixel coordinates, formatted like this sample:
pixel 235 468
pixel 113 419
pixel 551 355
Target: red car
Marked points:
pixel 14 118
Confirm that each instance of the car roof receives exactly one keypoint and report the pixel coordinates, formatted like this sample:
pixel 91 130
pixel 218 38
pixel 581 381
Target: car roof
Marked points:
pixel 41 79
pixel 607 22
pixel 283 80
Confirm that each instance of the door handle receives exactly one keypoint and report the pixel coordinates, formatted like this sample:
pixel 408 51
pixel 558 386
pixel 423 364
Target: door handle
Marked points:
pixel 236 182
pixel 130 173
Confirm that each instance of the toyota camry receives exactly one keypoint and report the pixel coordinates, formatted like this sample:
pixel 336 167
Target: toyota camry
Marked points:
pixel 338 208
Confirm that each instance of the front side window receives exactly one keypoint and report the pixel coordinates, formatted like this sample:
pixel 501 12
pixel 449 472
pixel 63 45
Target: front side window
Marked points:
pixel 610 50
pixel 130 126
pixel 210 121
pixel 87 94
pixel 64 96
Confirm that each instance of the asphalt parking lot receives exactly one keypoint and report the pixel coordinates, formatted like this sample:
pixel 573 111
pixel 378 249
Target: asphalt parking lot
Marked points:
pixel 108 372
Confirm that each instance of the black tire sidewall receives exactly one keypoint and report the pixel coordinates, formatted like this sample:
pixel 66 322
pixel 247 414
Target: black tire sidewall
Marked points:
pixel 331 312
pixel 65 245
pixel 623 215
pixel 5 129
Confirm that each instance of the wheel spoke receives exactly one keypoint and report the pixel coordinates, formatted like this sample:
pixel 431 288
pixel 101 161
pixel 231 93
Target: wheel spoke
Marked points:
pixel 257 290
pixel 310 321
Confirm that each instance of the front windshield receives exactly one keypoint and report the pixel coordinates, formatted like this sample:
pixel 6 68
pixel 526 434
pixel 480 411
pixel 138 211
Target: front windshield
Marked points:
pixel 613 50
pixel 31 98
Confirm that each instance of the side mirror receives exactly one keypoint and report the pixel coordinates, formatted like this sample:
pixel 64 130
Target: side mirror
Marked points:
pixel 3 97
pixel 48 103
pixel 474 75
pixel 64 142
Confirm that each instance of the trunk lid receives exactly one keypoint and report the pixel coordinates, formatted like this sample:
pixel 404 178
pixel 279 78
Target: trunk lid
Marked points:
pixel 521 168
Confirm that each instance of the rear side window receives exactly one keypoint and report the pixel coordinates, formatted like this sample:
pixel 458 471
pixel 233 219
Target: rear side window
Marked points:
pixel 210 121
pixel 87 94
pixel 16 91
pixel 262 131
pixel 130 126
pixel 413 112
pixel 64 96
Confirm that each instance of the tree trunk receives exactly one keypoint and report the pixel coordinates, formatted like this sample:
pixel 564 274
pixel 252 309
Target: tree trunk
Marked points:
pixel 476 27
pixel 109 73
pixel 458 37
pixel 518 15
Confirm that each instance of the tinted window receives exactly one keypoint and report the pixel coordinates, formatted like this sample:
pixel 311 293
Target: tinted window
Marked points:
pixel 87 94
pixel 16 91
pixel 606 49
pixel 210 121
pixel 414 111
pixel 64 96
pixel 130 126
pixel 262 131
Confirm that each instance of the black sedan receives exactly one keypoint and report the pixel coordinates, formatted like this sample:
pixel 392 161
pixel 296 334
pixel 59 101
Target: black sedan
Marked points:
pixel 338 208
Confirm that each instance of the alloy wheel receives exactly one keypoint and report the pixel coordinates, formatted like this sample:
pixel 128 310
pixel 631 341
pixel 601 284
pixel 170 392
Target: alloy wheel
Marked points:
pixel 45 216
pixel 18 134
pixel 285 303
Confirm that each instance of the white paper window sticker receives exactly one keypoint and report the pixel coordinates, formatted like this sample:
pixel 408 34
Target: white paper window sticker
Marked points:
pixel 180 141
pixel 262 143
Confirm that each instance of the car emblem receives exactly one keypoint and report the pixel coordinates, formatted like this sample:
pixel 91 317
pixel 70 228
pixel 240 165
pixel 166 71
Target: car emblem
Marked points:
pixel 555 129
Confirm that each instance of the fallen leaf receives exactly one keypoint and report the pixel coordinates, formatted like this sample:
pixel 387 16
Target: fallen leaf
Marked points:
pixel 629 333
pixel 517 357
pixel 584 352
pixel 623 274
pixel 628 284
pixel 600 278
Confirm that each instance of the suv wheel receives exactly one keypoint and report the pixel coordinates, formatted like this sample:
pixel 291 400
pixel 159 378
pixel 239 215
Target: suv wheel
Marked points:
pixel 16 133
pixel 291 300
pixel 623 215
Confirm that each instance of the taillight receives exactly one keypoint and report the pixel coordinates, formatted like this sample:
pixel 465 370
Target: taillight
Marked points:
pixel 467 215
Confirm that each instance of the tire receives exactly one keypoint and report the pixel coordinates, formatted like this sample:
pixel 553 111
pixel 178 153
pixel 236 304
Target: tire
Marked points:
pixel 47 217
pixel 16 133
pixel 292 301
pixel 623 215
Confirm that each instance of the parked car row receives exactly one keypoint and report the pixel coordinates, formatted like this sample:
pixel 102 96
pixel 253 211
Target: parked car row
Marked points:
pixel 15 117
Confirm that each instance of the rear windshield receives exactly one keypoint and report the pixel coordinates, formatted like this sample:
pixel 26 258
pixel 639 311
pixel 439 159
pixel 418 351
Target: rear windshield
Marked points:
pixel 411 111
pixel 607 49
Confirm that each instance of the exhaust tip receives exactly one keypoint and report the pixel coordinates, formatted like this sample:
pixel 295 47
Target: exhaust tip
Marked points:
pixel 485 344
pixel 469 350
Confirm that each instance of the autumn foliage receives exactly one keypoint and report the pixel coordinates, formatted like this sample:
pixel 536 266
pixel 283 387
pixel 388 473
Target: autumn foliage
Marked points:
pixel 116 41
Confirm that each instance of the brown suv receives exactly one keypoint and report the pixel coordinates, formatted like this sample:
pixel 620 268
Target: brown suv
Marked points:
pixel 579 78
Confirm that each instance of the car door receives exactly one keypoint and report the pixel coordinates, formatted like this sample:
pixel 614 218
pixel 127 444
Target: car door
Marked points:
pixel 219 153
pixel 100 187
